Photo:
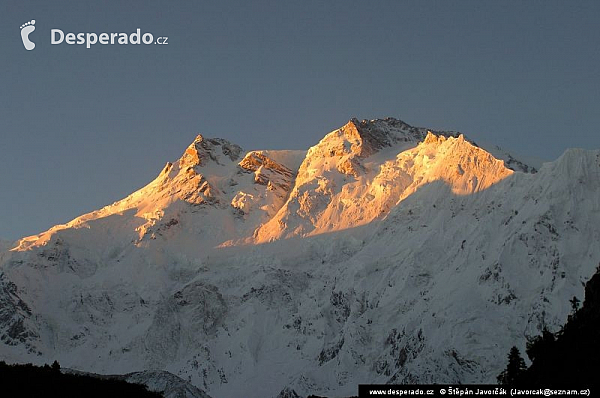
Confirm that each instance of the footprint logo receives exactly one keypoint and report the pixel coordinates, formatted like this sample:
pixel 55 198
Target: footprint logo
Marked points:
pixel 26 29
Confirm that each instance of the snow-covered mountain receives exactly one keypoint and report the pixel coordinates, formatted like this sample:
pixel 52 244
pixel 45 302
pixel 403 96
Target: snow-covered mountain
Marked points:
pixel 385 253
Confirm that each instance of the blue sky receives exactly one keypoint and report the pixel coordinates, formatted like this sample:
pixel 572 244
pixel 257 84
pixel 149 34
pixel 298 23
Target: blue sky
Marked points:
pixel 81 128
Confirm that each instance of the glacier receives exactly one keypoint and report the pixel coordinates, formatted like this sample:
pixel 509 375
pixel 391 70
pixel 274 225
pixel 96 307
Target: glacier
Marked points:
pixel 385 253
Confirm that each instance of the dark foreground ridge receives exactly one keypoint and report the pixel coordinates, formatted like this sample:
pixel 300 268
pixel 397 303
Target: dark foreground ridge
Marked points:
pixel 568 357
pixel 35 381
pixel 573 355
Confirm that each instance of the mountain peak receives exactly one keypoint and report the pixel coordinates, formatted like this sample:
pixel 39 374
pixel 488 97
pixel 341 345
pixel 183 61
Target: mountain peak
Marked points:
pixel 376 134
pixel 203 150
pixel 365 139
pixel 390 122
pixel 412 248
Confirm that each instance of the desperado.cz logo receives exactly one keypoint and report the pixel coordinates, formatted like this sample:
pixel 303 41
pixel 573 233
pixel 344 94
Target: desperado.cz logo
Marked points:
pixel 26 29
pixel 57 36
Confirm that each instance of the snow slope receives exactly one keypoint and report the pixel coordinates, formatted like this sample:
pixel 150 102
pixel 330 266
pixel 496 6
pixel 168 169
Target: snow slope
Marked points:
pixel 388 254
pixel 350 179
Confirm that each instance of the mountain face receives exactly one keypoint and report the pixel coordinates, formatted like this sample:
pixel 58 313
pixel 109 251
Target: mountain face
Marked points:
pixel 166 384
pixel 356 174
pixel 385 253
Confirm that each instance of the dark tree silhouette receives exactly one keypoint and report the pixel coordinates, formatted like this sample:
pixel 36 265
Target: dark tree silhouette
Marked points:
pixel 569 358
pixel 47 381
pixel 539 344
pixel 574 304
pixel 514 370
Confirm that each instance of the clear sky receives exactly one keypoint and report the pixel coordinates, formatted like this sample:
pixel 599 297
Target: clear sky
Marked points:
pixel 81 128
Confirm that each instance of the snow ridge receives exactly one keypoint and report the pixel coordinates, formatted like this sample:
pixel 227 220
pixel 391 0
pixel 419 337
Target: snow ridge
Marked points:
pixel 387 254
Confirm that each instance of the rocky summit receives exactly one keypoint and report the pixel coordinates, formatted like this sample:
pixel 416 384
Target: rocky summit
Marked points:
pixel 385 253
